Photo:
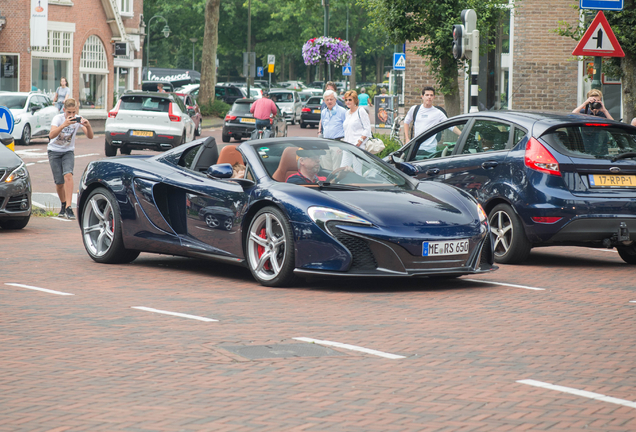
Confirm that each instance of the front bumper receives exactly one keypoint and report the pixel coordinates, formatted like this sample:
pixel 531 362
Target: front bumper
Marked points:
pixel 15 199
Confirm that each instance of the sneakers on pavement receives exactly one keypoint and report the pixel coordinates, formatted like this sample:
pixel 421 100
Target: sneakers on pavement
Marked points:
pixel 62 212
pixel 69 213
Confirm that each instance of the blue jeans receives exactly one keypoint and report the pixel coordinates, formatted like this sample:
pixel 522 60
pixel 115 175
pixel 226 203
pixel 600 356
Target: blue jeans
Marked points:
pixel 263 124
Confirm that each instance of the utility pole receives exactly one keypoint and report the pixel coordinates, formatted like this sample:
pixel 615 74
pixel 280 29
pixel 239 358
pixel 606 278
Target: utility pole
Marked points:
pixel 325 3
pixel 249 42
pixel 347 37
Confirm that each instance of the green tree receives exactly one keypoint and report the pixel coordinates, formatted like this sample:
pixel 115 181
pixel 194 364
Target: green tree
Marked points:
pixel 623 24
pixel 431 23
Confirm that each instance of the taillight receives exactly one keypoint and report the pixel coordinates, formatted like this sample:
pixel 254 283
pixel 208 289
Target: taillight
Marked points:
pixel 546 219
pixel 174 118
pixel 114 111
pixel 230 117
pixel 540 159
pixel 306 110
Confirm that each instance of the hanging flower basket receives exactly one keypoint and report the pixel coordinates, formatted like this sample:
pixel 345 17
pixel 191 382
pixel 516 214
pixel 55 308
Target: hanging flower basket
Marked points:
pixel 326 49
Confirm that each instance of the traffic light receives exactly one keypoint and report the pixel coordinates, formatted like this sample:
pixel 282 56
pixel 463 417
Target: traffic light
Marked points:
pixel 459 50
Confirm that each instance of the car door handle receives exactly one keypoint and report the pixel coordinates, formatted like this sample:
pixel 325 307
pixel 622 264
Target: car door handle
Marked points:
pixel 432 171
pixel 489 164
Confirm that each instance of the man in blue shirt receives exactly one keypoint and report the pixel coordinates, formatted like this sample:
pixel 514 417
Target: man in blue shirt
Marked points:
pixel 332 117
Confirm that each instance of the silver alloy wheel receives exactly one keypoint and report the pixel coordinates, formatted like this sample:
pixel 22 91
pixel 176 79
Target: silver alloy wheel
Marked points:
pixel 211 221
pixel 228 224
pixel 266 233
pixel 98 225
pixel 501 227
pixel 26 134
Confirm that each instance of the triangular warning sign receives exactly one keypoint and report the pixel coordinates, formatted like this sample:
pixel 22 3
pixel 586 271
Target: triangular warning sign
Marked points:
pixel 599 40
pixel 347 70
pixel 401 62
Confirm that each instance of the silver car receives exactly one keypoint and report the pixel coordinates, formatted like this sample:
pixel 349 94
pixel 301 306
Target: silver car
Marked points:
pixel 289 103
pixel 32 113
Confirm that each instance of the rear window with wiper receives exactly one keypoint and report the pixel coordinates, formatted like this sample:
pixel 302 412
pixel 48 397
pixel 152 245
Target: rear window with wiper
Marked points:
pixel 145 103
pixel 592 141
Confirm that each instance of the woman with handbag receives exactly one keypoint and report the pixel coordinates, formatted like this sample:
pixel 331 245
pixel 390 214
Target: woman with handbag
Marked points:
pixel 357 129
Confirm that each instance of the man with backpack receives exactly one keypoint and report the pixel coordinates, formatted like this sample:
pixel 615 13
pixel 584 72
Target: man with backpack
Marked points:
pixel 423 117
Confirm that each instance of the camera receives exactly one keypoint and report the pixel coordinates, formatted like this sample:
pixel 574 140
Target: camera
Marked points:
pixel 595 105
pixel 76 119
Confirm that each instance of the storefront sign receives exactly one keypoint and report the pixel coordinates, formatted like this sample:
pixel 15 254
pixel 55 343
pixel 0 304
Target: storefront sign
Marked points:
pixel 39 18
pixel 384 106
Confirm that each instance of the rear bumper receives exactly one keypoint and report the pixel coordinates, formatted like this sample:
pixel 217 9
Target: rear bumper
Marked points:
pixel 310 118
pixel 239 131
pixel 158 142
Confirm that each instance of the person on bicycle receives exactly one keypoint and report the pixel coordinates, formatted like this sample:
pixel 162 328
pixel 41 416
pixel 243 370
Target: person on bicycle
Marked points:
pixel 262 109
pixel 423 117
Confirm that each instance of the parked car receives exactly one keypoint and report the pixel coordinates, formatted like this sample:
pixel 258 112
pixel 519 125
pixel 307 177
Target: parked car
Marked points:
pixel 289 102
pixel 15 187
pixel 191 89
pixel 239 122
pixel 317 85
pixel 228 93
pixel 194 111
pixel 32 113
pixel 543 179
pixel 310 115
pixel 292 85
pixel 151 86
pixel 307 93
pixel 382 224
pixel 146 120
pixel 255 93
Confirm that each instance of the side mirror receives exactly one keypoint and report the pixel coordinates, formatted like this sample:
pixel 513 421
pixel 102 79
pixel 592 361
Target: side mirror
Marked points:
pixel 220 171
pixel 34 109
pixel 407 168
pixel 396 158
pixel 191 112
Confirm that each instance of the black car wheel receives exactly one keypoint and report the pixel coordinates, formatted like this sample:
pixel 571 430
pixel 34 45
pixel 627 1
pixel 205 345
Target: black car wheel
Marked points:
pixel 125 150
pixel 110 150
pixel 101 229
pixel 211 221
pixel 511 244
pixel 197 132
pixel 225 137
pixel 293 120
pixel 270 248
pixel 26 135
pixel 303 125
pixel 628 253
pixel 15 224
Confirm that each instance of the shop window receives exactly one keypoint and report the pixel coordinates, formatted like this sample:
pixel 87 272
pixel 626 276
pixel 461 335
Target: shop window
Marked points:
pixel 93 75
pixel 46 74
pixel 9 72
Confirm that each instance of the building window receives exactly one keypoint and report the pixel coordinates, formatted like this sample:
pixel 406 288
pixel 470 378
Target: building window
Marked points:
pixel 125 7
pixel 59 42
pixel 47 73
pixel 9 72
pixel 93 75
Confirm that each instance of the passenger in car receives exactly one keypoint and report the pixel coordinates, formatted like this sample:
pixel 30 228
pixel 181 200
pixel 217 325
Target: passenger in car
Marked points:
pixel 238 170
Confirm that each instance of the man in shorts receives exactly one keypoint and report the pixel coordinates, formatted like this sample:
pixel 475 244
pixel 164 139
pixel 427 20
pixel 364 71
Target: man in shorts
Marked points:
pixel 61 150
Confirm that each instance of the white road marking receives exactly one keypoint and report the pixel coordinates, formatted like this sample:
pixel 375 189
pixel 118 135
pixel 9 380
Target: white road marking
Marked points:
pixel 86 155
pixel 605 250
pixel 632 301
pixel 577 392
pixel 351 347
pixel 147 309
pixel 62 219
pixel 29 164
pixel 38 289
pixel 505 284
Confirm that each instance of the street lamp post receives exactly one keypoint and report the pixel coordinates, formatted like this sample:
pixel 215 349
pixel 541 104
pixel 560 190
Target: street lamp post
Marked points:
pixel 193 40
pixel 165 31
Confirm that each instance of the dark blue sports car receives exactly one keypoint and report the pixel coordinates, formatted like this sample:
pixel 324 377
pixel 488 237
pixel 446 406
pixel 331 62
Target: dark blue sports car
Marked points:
pixel 303 207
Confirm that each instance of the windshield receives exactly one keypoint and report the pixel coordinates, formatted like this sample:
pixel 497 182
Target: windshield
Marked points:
pixel 13 102
pixel 592 141
pixel 282 97
pixel 315 101
pixel 241 108
pixel 145 103
pixel 333 162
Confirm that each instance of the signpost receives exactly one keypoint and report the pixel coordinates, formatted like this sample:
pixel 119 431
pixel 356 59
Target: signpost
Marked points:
pixel 616 5
pixel 271 60
pixel 346 70
pixel 259 71
pixel 599 41
pixel 6 121
pixel 399 61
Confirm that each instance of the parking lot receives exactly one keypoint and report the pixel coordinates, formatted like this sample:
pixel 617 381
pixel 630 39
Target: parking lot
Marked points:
pixel 170 343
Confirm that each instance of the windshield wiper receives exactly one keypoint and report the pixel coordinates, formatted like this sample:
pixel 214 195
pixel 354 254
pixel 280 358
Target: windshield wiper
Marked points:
pixel 624 156
pixel 338 186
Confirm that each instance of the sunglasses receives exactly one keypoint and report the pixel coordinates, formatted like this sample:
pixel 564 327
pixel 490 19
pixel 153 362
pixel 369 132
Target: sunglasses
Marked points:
pixel 349 100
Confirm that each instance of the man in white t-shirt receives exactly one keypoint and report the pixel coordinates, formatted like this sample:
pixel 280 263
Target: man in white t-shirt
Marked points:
pixel 61 151
pixel 426 116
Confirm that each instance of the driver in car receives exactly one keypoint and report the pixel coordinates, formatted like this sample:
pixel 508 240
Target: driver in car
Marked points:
pixel 308 168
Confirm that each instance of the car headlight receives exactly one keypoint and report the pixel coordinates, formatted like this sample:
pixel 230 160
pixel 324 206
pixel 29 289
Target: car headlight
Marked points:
pixel 17 120
pixel 322 215
pixel 482 214
pixel 18 173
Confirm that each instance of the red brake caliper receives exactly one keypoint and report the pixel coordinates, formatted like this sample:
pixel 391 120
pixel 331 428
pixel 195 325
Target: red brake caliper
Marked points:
pixel 261 249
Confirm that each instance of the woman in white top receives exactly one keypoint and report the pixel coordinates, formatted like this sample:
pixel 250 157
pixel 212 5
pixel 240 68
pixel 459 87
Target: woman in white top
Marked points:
pixel 357 129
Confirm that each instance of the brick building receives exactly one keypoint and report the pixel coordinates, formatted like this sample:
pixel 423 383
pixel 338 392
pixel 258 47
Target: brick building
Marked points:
pixel 79 44
pixel 532 67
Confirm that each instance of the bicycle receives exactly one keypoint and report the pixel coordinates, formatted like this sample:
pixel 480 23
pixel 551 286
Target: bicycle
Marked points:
pixel 395 129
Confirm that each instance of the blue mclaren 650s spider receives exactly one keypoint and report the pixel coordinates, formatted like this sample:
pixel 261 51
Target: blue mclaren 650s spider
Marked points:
pixel 302 207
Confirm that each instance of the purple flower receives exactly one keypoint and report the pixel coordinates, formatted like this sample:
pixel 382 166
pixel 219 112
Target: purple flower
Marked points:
pixel 326 49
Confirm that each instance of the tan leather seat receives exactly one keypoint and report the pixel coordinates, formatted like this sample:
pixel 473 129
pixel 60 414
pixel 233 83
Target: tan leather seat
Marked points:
pixel 288 165
pixel 229 154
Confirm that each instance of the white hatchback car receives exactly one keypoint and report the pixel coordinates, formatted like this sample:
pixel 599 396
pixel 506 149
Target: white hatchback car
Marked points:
pixel 148 120
pixel 32 112
pixel 289 103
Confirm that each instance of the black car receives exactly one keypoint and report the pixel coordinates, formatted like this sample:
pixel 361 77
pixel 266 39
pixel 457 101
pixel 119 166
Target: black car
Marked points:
pixel 228 93
pixel 151 86
pixel 15 188
pixel 310 114
pixel 239 122
pixel 543 179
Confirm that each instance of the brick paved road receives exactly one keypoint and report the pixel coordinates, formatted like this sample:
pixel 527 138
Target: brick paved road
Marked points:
pixel 91 362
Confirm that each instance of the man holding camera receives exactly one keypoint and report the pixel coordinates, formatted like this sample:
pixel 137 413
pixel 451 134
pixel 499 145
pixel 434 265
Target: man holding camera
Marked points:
pixel 593 105
pixel 61 151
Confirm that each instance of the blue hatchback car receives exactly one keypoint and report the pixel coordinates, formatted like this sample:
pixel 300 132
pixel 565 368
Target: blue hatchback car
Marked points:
pixel 543 179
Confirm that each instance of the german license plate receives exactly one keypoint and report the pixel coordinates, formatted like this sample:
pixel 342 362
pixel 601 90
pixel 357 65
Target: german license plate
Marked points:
pixel 142 133
pixel 248 120
pixel 453 247
pixel 316 111
pixel 603 180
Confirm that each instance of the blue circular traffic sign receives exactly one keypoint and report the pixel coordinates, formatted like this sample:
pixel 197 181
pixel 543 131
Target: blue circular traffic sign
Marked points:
pixel 6 120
